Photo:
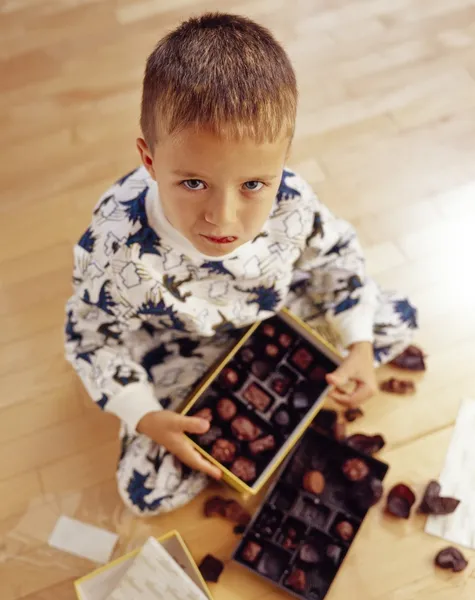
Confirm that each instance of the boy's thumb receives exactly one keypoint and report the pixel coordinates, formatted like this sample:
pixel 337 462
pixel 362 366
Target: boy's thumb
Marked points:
pixel 338 378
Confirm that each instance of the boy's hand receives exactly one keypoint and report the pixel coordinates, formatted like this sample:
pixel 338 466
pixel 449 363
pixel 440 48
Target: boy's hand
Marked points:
pixel 167 429
pixel 357 369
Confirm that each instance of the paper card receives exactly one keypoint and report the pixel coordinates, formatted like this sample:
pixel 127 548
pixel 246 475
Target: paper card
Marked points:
pixel 458 480
pixel 155 574
pixel 83 540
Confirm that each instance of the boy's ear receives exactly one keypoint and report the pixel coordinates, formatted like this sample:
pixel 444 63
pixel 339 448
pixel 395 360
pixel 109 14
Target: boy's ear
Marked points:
pixel 146 156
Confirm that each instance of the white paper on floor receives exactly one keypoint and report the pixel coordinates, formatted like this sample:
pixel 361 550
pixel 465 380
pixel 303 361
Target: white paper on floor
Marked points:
pixel 458 480
pixel 83 540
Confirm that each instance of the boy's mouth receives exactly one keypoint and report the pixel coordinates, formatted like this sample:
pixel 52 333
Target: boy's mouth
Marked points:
pixel 220 240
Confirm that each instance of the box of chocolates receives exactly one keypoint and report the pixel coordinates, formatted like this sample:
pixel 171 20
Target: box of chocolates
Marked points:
pixel 302 532
pixel 261 398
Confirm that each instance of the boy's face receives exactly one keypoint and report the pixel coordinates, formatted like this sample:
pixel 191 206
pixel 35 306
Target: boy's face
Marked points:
pixel 217 193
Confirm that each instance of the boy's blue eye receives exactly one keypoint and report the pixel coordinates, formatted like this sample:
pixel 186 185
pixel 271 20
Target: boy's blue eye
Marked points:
pixel 193 184
pixel 253 186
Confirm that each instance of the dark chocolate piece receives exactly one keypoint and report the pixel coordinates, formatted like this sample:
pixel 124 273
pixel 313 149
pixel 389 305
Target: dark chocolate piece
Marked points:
pixel 210 436
pixel 412 359
pixel 398 386
pixel 280 385
pixel 290 542
pixel 223 450
pixel 262 444
pixel 215 506
pixel 239 529
pixel 204 413
pixel 211 568
pixel 314 482
pixel 325 421
pixel 226 409
pixel 366 494
pixel 351 414
pixel 230 376
pixel 247 355
pixel 268 330
pixel 236 513
pixel 318 373
pixel 333 553
pixel 345 531
pixel 244 429
pixel 355 469
pixel 251 551
pixel 302 359
pixel 272 350
pixel 400 501
pixel 268 522
pixel 282 418
pixel 261 369
pixel 257 397
pixel 435 504
pixel 297 580
pixel 244 468
pixel 309 554
pixel 285 340
pixel 368 444
pixel 451 558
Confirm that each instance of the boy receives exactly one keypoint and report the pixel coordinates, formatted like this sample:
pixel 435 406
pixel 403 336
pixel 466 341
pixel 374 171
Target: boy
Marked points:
pixel 211 234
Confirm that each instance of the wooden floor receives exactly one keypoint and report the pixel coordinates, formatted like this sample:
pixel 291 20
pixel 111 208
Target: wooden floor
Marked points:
pixel 386 134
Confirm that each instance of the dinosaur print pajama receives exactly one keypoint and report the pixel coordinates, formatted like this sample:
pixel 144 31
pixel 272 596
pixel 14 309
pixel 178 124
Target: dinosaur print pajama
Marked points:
pixel 150 314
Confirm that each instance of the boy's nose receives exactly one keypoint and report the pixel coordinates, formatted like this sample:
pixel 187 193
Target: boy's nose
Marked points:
pixel 221 212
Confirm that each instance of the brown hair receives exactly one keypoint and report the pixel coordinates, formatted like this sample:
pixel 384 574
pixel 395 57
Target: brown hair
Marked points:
pixel 223 73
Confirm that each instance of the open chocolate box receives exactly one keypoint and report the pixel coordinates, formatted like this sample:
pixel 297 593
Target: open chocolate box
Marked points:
pixel 298 539
pixel 261 398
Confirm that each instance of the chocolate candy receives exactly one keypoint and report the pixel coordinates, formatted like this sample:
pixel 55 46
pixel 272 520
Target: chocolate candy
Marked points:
pixel 251 551
pixel 309 554
pixel 226 409
pixel 368 444
pixel 302 359
pixel 451 558
pixel 411 359
pixel 244 468
pixel 434 504
pixel 367 493
pixel 236 513
pixel 205 413
pixel 247 355
pixel 215 506
pixel 223 451
pixel 351 414
pixel 285 340
pixel 210 436
pixel 272 350
pixel 262 445
pixel 313 482
pixel 355 469
pixel 400 501
pixel 280 385
pixel 244 429
pixel 211 568
pixel 345 531
pixel 268 522
pixel 239 529
pixel 268 330
pixel 333 553
pixel 230 377
pixel 398 386
pixel 261 369
pixel 297 580
pixel 257 397
pixel 300 399
pixel 290 541
pixel 318 373
pixel 281 417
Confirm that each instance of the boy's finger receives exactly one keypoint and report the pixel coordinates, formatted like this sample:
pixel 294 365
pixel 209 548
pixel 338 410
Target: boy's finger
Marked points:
pixel 341 397
pixel 362 393
pixel 191 424
pixel 189 456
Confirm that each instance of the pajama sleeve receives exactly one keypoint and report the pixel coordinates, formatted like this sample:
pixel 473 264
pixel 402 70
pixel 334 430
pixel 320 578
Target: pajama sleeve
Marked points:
pixel 334 261
pixel 95 330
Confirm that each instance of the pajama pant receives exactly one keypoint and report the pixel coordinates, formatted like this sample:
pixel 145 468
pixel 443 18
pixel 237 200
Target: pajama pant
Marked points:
pixel 151 480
